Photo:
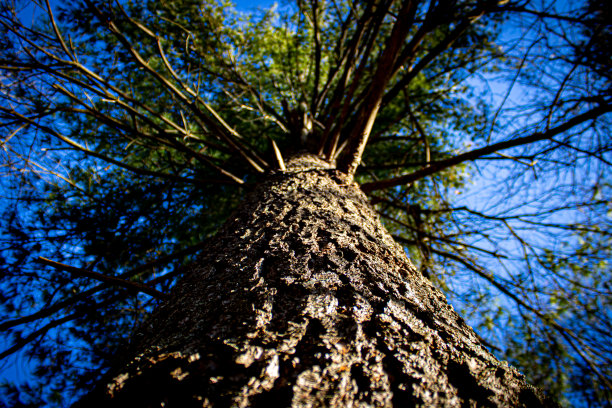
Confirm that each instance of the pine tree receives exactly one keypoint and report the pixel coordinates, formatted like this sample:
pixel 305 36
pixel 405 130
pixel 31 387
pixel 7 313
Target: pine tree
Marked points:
pixel 197 219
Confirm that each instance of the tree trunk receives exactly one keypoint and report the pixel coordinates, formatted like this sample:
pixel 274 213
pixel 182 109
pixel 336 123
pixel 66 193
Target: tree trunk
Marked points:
pixel 303 299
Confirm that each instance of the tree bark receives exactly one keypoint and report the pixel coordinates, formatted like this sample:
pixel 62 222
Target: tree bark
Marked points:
pixel 303 299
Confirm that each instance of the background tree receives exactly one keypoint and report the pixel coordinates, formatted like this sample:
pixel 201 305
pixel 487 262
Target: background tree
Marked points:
pixel 133 130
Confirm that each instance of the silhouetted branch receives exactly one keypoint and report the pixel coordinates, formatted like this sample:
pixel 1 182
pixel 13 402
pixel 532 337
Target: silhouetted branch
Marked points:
pixel 48 311
pixel 139 287
pixel 475 154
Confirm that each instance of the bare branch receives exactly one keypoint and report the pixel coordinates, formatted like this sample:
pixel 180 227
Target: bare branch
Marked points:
pixel 279 156
pixel 139 287
pixel 475 154
pixel 360 132
pixel 48 311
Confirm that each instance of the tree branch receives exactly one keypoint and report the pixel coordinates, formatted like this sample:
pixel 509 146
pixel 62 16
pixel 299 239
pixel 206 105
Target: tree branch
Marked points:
pixel 475 154
pixel 48 311
pixel 360 133
pixel 103 278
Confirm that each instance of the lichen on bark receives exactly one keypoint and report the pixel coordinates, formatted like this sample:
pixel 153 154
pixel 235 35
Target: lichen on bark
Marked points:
pixel 303 299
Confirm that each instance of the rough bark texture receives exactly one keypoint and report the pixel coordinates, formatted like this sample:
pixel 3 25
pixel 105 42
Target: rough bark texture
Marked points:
pixel 303 299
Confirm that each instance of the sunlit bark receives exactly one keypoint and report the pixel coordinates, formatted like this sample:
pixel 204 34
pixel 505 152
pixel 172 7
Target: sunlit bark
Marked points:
pixel 304 299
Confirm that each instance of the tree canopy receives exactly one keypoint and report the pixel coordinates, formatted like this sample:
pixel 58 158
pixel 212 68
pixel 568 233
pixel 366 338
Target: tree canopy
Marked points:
pixel 478 128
